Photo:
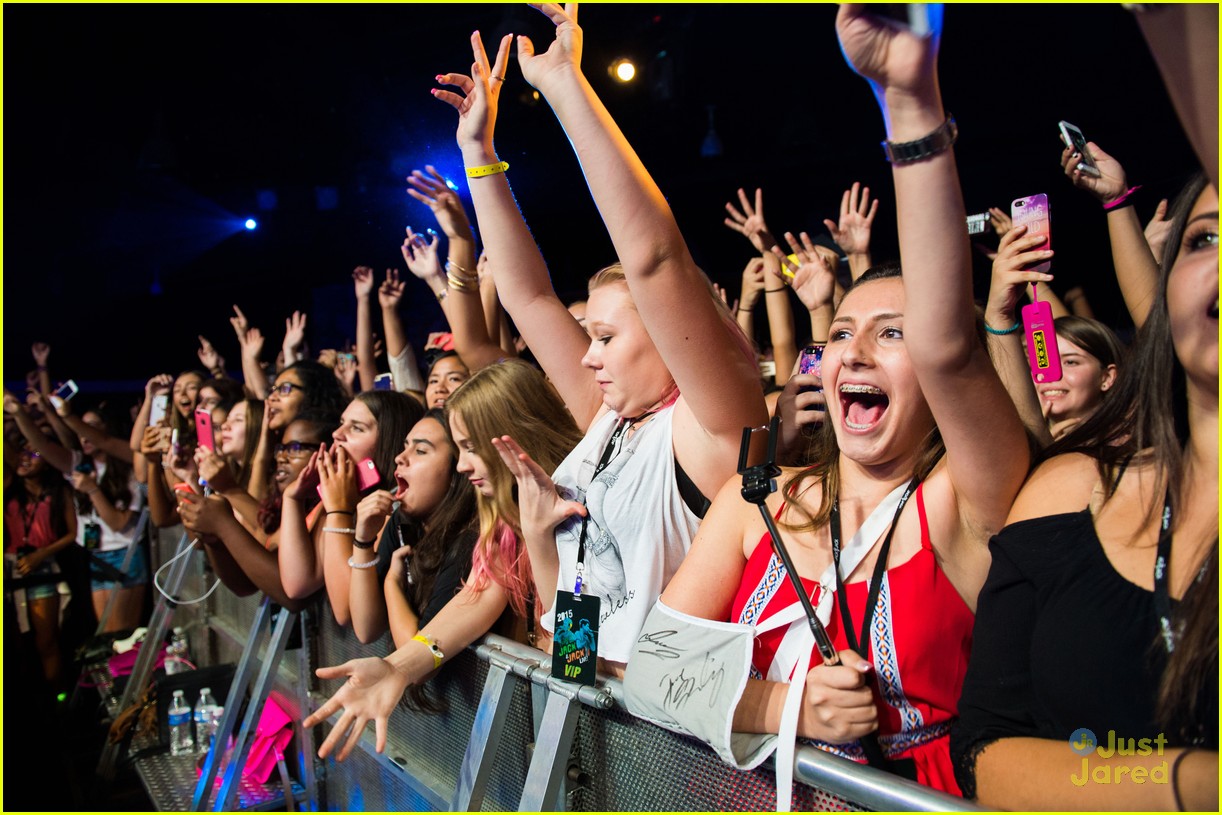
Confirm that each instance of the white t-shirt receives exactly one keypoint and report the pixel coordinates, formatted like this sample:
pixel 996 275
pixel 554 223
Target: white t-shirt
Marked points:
pixel 638 532
pixel 111 539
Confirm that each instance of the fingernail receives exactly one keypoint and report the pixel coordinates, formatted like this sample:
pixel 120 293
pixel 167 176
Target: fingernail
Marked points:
pixel 864 666
pixel 438 77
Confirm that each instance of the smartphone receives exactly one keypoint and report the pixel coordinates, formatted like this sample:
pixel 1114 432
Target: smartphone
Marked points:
pixel 1074 140
pixel 203 429
pixel 383 382
pixel 1033 213
pixel 159 408
pixel 66 391
pixel 1042 353
pixel 366 476
pixel 811 361
pixel 976 224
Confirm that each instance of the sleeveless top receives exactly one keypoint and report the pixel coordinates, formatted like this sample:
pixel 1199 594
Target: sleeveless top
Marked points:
pixel 1063 641
pixel 30 526
pixel 638 531
pixel 920 639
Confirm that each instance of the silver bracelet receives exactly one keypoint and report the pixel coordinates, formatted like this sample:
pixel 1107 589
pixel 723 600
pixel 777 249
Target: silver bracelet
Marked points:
pixel 366 565
pixel 341 530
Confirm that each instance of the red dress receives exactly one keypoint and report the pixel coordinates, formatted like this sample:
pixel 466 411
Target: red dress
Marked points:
pixel 920 679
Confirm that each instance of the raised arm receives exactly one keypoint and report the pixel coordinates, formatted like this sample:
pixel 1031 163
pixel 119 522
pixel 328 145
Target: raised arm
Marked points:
pixel 524 284
pixel 366 604
pixel 399 354
pixel 250 339
pixel 718 382
pixel 41 353
pixel 982 433
pixel 301 571
pixel 367 364
pixel 1016 251
pixel 294 337
pixel 108 444
pixel 54 454
pixel 458 293
pixel 210 358
pixel 1136 266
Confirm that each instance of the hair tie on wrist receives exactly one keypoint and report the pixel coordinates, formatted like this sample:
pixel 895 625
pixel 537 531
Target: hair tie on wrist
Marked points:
pixel 360 544
pixel 1001 332
pixel 1120 202
pixel 339 512
pixel 774 291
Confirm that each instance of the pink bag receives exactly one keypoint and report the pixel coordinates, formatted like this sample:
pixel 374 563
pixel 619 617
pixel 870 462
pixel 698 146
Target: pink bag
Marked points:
pixel 271 737
pixel 123 664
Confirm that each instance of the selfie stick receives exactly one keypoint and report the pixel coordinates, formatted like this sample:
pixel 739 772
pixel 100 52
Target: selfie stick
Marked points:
pixel 758 483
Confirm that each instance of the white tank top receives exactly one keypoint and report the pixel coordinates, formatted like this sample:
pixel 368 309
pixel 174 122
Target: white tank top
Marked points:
pixel 638 532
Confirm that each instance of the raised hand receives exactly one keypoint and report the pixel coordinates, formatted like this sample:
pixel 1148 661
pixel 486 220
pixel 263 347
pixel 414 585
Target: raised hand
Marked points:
pixel 432 191
pixel 1110 184
pixel 240 324
pixel 753 283
pixel 562 59
pixel 750 221
pixel 372 512
pixel 158 385
pixel 346 370
pixel 887 53
pixel 41 351
pixel 12 405
pixel 373 689
pixel 481 91
pixel 391 290
pixel 813 279
pixel 1157 230
pixel 337 475
pixel 540 505
pixel 421 256
pixel 294 334
pixel 1000 220
pixel 253 345
pixel 857 211
pixel 1010 278
pixel 362 281
pixel 208 356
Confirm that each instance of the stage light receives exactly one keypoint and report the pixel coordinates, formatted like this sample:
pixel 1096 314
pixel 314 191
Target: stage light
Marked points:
pixel 623 70
pixel 250 223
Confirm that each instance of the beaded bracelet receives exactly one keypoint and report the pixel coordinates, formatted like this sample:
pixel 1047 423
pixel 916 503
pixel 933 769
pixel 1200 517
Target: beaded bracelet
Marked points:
pixel 340 530
pixel 369 564
pixel 1001 332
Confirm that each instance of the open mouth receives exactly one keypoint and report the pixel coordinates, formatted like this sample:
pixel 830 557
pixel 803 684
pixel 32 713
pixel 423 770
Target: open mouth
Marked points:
pixel 862 406
pixel 1054 393
pixel 401 488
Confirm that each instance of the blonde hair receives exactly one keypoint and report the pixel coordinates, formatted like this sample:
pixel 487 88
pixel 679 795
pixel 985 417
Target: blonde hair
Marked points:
pixel 510 398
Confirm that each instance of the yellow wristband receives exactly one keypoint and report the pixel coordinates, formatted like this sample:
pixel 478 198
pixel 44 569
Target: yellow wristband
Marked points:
pixel 487 169
pixel 438 657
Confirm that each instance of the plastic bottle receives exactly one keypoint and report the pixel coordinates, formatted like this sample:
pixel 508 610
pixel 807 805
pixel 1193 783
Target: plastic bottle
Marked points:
pixel 176 652
pixel 205 724
pixel 181 743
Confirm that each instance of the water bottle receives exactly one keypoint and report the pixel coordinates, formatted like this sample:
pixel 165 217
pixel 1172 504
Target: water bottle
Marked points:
pixel 205 726
pixel 176 652
pixel 181 743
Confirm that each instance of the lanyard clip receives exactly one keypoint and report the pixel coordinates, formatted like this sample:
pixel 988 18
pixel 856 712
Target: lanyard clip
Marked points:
pixel 577 585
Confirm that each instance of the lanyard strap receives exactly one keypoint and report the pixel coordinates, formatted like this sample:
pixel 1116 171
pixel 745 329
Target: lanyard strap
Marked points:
pixel 612 449
pixel 1162 580
pixel 880 566
pixel 28 519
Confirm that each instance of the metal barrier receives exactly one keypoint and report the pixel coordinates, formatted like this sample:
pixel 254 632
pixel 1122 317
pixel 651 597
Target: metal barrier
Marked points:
pixel 513 738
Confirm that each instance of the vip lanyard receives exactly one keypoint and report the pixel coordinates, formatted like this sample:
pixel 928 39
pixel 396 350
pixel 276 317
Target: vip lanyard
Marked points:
pixel 880 566
pixel 613 448
pixel 28 519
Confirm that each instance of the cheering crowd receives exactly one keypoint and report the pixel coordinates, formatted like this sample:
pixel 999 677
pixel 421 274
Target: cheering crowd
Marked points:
pixel 996 562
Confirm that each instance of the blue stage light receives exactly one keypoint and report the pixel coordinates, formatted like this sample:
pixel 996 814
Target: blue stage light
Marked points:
pixel 250 223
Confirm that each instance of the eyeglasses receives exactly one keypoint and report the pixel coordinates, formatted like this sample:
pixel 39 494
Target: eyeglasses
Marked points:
pixel 31 454
pixel 294 449
pixel 284 388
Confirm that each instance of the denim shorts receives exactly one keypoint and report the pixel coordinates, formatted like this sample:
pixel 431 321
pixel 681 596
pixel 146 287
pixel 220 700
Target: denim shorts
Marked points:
pixel 137 574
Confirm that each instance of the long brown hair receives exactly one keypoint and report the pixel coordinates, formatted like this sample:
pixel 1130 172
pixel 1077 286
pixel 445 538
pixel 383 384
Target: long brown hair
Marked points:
pixel 510 398
pixel 1147 418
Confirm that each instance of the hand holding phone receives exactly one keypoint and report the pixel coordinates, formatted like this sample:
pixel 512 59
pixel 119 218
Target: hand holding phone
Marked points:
pixel 203 429
pixel 1074 140
pixel 1033 212
pixel 159 408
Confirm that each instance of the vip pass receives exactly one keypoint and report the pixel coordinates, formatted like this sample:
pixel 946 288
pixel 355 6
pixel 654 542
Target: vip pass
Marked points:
pixel 487 169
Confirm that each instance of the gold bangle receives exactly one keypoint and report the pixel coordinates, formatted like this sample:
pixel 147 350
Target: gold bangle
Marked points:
pixel 487 169
pixel 461 269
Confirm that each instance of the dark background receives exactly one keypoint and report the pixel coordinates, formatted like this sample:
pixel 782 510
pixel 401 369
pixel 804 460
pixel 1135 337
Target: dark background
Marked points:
pixel 139 137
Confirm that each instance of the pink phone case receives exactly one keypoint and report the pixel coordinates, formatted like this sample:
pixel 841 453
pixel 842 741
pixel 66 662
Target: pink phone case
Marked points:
pixel 1042 351
pixel 203 430
pixel 366 476
pixel 1033 213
